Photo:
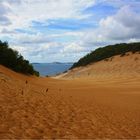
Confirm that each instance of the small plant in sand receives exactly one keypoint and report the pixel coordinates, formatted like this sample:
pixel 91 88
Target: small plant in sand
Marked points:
pixel 111 58
pixel 136 58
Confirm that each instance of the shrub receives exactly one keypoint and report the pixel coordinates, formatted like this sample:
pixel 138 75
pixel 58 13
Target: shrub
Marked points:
pixel 106 59
pixel 123 54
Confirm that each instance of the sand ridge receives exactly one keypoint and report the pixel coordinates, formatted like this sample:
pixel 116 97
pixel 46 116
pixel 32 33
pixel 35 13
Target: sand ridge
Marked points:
pixel 80 108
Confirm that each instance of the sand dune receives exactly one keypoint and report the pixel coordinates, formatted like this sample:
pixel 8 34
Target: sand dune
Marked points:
pixel 128 65
pixel 103 102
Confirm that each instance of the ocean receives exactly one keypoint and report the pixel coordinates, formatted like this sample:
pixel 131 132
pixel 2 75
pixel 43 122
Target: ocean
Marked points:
pixel 51 69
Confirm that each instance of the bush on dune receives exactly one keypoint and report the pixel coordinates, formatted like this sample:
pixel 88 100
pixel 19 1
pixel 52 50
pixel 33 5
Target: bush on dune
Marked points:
pixel 106 52
pixel 13 60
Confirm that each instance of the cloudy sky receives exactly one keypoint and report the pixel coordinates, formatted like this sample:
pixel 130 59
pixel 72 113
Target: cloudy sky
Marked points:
pixel 65 30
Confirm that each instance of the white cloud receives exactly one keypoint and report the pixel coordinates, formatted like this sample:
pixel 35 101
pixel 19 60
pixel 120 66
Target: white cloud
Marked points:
pixel 26 11
pixel 121 27
pixel 43 46
pixel 73 48
pixel 4 10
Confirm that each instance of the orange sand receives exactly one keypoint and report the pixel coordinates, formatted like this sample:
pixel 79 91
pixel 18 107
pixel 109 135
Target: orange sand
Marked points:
pixel 101 101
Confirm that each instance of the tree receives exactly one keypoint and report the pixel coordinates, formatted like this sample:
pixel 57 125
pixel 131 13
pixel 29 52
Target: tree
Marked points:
pixel 15 61
pixel 106 52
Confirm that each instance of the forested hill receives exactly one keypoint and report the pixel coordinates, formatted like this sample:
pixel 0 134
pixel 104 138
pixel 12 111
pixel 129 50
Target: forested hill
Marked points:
pixel 106 52
pixel 13 60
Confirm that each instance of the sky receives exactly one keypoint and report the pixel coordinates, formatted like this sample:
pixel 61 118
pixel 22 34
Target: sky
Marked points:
pixel 66 30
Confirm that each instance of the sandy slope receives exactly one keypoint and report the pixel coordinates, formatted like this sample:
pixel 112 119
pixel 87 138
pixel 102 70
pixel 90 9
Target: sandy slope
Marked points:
pixel 106 107
pixel 112 67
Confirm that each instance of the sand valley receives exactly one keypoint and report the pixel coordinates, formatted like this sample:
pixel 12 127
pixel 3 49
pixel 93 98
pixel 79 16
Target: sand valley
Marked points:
pixel 101 100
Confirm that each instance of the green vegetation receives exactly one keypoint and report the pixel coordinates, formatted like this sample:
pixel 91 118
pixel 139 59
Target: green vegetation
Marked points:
pixel 13 60
pixel 106 52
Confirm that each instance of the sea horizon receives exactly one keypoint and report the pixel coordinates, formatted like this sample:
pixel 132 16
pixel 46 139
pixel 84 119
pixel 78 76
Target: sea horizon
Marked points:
pixel 51 69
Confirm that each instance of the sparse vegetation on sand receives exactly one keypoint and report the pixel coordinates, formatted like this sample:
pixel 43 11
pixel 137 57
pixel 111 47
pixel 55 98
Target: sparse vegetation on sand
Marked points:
pixel 106 52
pixel 15 61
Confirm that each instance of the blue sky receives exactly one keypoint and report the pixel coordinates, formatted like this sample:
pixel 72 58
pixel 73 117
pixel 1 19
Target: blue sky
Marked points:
pixel 66 30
